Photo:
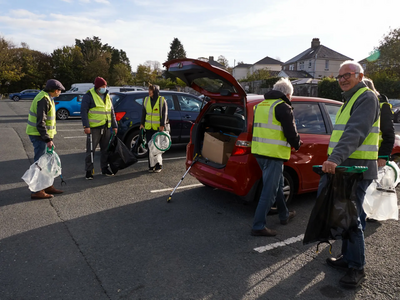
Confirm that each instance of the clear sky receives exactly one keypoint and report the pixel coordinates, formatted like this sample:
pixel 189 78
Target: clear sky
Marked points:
pixel 239 30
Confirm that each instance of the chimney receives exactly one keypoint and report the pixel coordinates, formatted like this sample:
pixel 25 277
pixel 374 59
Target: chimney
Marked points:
pixel 315 43
pixel 211 58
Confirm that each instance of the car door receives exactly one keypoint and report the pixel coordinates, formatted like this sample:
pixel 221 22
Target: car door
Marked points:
pixel 174 116
pixel 189 108
pixel 75 104
pixel 314 132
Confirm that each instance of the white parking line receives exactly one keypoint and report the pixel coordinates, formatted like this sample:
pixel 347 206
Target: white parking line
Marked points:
pixel 74 137
pixel 280 244
pixel 60 130
pixel 181 187
pixel 169 158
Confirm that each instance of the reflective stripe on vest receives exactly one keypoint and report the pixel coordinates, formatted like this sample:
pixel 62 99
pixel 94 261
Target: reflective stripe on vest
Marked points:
pixel 153 114
pixel 50 121
pixel 369 148
pixel 268 137
pixel 101 113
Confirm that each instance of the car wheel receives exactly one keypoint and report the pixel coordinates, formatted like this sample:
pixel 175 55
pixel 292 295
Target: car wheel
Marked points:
pixel 131 140
pixel 288 191
pixel 62 114
pixel 15 98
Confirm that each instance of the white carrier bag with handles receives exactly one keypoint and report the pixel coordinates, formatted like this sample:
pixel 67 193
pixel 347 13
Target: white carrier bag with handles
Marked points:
pixel 159 143
pixel 380 202
pixel 41 174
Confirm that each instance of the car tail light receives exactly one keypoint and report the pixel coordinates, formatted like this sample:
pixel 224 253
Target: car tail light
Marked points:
pixel 241 148
pixel 119 115
pixel 56 103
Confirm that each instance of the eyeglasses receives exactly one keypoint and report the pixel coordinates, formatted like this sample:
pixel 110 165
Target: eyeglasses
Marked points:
pixel 346 75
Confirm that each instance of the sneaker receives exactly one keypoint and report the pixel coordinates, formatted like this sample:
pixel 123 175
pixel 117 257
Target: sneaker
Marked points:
pixel 337 263
pixel 292 214
pixel 353 278
pixel 263 232
pixel 107 172
pixel 157 168
pixel 89 175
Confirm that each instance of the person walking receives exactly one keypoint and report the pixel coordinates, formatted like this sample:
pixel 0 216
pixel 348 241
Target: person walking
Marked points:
pixel 98 117
pixel 41 127
pixel 274 134
pixel 354 142
pixel 386 134
pixel 154 119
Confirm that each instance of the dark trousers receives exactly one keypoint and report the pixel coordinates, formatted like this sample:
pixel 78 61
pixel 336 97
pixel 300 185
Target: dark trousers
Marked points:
pixel 100 135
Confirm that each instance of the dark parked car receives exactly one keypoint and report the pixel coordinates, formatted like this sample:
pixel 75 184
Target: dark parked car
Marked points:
pixel 396 111
pixel 68 104
pixel 183 110
pixel 25 94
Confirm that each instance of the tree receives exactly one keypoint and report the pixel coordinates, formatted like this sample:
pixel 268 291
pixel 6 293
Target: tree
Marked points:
pixel 329 88
pixel 223 61
pixel 259 74
pixel 10 71
pixel 386 57
pixel 176 51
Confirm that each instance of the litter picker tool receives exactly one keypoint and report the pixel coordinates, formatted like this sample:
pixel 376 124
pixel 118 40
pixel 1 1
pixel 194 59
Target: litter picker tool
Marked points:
pixel 90 142
pixel 195 158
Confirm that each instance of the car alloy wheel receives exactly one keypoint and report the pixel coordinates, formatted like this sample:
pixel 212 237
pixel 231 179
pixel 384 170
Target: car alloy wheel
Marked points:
pixel 15 98
pixel 62 114
pixel 131 140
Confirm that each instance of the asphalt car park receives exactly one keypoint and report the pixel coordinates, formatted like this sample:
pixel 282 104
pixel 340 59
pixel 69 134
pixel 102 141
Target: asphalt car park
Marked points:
pixel 118 238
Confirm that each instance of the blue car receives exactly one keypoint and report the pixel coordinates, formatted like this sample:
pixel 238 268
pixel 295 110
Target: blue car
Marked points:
pixel 68 104
pixel 25 94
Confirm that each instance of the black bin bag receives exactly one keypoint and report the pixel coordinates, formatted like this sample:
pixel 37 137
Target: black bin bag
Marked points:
pixel 334 215
pixel 119 156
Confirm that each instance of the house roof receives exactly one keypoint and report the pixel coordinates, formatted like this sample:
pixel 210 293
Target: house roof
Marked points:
pixel 319 52
pixel 216 64
pixel 305 81
pixel 243 66
pixel 268 61
pixel 296 74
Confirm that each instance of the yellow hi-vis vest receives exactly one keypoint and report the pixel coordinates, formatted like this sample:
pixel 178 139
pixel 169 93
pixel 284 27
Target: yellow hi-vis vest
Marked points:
pixel 101 113
pixel 268 138
pixel 153 115
pixel 380 132
pixel 369 148
pixel 31 128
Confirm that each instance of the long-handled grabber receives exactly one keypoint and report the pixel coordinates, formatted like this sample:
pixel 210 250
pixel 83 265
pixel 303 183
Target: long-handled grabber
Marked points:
pixel 90 142
pixel 195 158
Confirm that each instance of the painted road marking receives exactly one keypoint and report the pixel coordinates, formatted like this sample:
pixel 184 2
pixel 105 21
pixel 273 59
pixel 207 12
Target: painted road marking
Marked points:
pixel 74 137
pixel 280 244
pixel 181 187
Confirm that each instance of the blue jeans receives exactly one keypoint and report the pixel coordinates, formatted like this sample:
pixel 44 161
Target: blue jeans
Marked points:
pixel 272 191
pixel 39 146
pixel 353 253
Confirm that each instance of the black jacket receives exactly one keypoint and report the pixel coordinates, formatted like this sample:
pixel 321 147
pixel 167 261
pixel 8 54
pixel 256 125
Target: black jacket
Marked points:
pixel 88 103
pixel 284 114
pixel 43 107
pixel 387 128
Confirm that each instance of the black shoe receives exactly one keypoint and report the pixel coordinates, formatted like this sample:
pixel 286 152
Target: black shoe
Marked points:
pixel 292 214
pixel 151 170
pixel 158 168
pixel 353 278
pixel 337 263
pixel 107 172
pixel 263 232
pixel 89 175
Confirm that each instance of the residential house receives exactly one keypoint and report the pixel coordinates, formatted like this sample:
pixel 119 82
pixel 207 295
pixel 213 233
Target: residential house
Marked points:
pixel 318 61
pixel 242 70
pixel 214 63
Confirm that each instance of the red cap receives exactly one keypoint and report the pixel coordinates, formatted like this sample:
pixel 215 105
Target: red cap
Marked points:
pixel 98 82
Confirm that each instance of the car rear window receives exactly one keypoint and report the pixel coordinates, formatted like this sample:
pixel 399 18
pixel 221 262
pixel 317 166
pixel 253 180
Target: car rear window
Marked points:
pixel 214 85
pixel 308 118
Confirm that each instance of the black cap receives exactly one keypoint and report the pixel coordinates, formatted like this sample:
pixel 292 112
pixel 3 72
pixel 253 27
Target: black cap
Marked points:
pixel 53 84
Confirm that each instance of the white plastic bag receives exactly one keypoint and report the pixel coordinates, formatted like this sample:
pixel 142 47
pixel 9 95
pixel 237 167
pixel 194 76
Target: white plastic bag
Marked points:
pixel 41 174
pixel 162 144
pixel 379 204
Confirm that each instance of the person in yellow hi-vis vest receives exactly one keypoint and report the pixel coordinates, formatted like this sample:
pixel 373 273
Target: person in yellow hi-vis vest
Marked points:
pixel 354 142
pixel 98 118
pixel 41 127
pixel 154 118
pixel 274 136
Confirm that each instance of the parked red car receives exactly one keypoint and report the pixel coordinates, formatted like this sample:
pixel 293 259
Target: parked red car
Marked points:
pixel 230 112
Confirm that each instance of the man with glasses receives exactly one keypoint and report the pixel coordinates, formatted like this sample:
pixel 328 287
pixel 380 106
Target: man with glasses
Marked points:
pixel 41 127
pixel 354 142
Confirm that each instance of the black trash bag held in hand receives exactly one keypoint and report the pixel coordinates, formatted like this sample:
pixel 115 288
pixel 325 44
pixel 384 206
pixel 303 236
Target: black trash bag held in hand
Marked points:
pixel 119 156
pixel 334 215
